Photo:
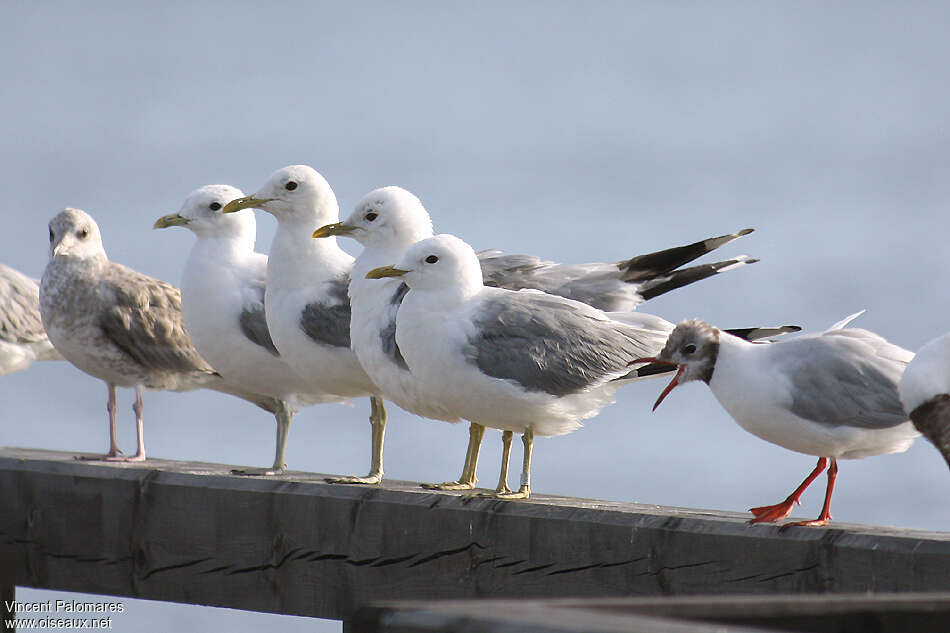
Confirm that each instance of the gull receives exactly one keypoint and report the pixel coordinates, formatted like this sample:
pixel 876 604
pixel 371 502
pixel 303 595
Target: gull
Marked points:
pixel 222 294
pixel 925 393
pixel 389 220
pixel 519 361
pixel 22 337
pixel 308 311
pixel 119 325
pixel 832 394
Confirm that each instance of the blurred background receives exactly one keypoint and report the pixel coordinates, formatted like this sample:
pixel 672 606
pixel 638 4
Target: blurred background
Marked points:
pixel 576 131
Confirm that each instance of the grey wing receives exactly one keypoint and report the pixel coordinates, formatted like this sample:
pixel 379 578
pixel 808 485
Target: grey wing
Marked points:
pixel 20 320
pixel 847 378
pixel 547 344
pixel 387 335
pixel 597 285
pixel 142 316
pixel 253 319
pixel 328 321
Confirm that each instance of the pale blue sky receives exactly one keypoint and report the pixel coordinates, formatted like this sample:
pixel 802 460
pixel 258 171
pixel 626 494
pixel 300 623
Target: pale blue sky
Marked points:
pixel 577 131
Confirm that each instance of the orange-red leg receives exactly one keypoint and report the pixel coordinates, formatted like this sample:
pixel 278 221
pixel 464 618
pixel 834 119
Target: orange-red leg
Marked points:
pixel 768 514
pixel 825 515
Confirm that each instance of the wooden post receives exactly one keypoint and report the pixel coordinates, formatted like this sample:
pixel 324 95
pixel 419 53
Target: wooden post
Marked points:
pixel 7 596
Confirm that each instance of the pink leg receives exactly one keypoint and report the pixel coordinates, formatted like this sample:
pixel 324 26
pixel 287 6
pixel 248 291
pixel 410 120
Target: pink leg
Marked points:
pixel 825 515
pixel 114 451
pixel 139 430
pixel 768 514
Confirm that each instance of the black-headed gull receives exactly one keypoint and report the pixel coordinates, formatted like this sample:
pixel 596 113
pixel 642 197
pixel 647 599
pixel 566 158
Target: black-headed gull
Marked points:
pixel 925 393
pixel 832 394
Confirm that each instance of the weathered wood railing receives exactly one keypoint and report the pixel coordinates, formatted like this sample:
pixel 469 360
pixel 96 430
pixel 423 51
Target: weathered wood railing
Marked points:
pixel 192 533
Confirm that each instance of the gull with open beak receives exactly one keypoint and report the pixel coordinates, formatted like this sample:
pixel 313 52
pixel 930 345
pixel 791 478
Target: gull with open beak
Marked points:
pixel 925 392
pixel 306 302
pixel 833 395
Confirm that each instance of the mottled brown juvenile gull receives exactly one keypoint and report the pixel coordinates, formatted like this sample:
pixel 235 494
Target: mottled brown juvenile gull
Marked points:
pixel 22 337
pixel 222 293
pixel 387 221
pixel 119 325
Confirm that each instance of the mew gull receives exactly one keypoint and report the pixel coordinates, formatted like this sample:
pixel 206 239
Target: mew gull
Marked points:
pixel 387 221
pixel 222 295
pixel 833 395
pixel 925 393
pixel 308 311
pixel 119 325
pixel 22 337
pixel 519 361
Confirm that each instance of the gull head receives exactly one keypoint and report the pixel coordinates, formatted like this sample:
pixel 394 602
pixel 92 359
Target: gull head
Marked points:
pixel 693 346
pixel 386 218
pixel 297 194
pixel 73 233
pixel 435 263
pixel 202 214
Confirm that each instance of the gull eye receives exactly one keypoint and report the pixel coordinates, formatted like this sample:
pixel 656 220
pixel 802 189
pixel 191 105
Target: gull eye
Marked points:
pixel 51 234
pixel 214 206
pixel 290 186
pixel 372 215
pixel 689 348
pixel 83 233
pixel 431 259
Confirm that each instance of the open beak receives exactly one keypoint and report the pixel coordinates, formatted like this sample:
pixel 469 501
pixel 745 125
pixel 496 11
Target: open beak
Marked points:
pixel 673 384
pixel 247 202
pixel 338 228
pixel 172 219
pixel 385 271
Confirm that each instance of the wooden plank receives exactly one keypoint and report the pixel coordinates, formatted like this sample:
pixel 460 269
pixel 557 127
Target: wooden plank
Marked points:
pixel 193 533
pixel 477 616
pixel 882 613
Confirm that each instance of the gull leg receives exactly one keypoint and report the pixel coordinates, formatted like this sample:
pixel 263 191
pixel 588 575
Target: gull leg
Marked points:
pixel 768 514
pixel 825 515
pixel 468 479
pixel 284 415
pixel 377 419
pixel 525 490
pixel 502 487
pixel 114 450
pixel 137 408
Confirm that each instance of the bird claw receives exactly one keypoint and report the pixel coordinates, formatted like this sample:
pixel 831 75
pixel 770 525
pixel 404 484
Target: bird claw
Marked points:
pixel 372 479
pixel 770 514
pixel 257 472
pixel 450 485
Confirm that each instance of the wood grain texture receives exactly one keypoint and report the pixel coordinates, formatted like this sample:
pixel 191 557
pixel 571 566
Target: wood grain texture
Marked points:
pixel 193 533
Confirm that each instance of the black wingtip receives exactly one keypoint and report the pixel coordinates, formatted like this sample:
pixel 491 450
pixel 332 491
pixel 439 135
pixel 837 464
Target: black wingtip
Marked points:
pixel 744 232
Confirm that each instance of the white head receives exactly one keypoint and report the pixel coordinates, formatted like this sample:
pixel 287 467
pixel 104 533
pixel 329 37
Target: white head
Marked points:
pixel 387 218
pixel 73 233
pixel 436 263
pixel 201 214
pixel 297 194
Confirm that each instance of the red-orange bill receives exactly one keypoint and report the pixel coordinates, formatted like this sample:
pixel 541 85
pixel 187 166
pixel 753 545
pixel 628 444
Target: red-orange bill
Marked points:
pixel 670 387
